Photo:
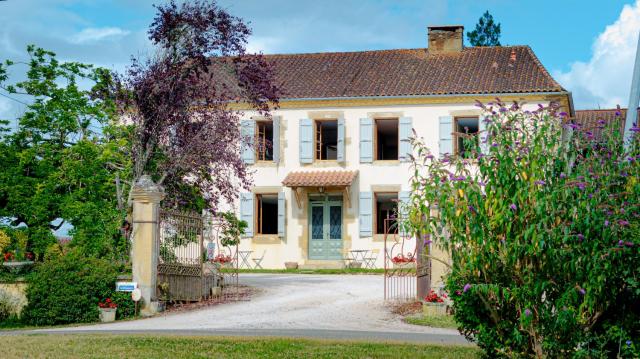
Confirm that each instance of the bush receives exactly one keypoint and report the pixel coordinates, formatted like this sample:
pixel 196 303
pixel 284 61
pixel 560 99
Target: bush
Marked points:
pixel 543 235
pixel 9 306
pixel 68 289
pixel 126 305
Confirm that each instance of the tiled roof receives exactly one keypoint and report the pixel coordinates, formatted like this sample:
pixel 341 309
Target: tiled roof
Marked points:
pixel 411 72
pixel 588 119
pixel 319 178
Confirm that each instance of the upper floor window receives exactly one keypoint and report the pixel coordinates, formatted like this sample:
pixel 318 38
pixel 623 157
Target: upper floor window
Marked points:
pixel 465 146
pixel 386 139
pixel 326 139
pixel 264 140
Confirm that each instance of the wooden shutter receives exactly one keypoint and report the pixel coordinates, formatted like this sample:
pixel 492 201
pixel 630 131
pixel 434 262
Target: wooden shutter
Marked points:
pixel 366 140
pixel 306 140
pixel 276 139
pixel 281 214
pixel 405 134
pixel 341 148
pixel 246 212
pixel 446 140
pixel 248 131
pixel 365 206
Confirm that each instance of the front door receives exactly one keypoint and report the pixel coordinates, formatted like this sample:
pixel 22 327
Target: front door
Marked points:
pixel 325 228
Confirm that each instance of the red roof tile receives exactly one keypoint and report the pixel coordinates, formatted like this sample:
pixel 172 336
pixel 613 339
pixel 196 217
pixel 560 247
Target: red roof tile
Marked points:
pixel 411 72
pixel 319 178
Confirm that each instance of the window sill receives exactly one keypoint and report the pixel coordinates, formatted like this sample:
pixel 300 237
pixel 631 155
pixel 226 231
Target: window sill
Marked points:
pixel 266 239
pixel 380 237
pixel 386 162
pixel 265 164
pixel 324 163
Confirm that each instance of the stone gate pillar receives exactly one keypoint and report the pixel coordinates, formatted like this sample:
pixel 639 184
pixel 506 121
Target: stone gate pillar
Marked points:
pixel 146 196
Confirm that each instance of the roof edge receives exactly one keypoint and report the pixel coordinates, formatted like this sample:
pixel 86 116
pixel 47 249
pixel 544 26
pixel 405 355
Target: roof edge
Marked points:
pixel 296 99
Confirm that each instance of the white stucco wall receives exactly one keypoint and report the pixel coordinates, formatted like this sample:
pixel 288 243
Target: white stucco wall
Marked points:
pixel 425 121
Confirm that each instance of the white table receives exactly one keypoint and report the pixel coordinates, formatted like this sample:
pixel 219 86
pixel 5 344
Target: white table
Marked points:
pixel 244 259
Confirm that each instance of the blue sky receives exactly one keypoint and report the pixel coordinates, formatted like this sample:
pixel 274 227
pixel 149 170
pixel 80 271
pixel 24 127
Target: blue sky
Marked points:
pixel 588 45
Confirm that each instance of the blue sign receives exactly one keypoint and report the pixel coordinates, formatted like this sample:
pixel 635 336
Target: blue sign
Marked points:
pixel 126 286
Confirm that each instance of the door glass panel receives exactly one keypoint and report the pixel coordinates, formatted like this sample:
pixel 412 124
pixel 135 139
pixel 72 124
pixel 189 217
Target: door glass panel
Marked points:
pixel 317 219
pixel 335 222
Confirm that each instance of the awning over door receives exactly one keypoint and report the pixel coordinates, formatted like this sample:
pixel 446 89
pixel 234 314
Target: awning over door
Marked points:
pixel 322 180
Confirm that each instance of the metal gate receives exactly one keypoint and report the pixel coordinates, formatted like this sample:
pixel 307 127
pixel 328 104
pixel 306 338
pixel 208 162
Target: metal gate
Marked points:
pixel 400 280
pixel 187 271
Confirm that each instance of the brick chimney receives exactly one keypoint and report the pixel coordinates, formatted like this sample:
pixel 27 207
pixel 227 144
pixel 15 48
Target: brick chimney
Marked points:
pixel 445 39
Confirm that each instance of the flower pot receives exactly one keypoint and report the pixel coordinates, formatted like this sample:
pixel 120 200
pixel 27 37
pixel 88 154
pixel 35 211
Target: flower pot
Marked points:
pixel 18 267
pixel 434 309
pixel 291 265
pixel 107 314
pixel 404 265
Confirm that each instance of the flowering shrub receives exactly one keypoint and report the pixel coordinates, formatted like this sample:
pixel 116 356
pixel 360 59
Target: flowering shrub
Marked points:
pixel 107 304
pixel 543 226
pixel 221 258
pixel 5 241
pixel 401 258
pixel 433 297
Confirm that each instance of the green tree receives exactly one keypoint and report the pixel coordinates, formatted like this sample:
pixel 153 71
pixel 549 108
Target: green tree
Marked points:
pixel 486 33
pixel 543 227
pixel 63 158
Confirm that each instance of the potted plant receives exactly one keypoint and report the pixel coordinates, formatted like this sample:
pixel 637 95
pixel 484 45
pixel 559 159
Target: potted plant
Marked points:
pixel 107 310
pixel 434 304
pixel 16 257
pixel 402 261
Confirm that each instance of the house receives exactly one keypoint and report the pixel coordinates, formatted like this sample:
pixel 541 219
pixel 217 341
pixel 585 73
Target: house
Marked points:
pixel 339 160
pixel 590 120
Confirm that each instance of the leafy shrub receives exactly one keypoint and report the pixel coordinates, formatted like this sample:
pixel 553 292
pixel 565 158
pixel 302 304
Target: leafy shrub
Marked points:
pixel 126 305
pixel 9 305
pixel 543 234
pixel 5 241
pixel 68 289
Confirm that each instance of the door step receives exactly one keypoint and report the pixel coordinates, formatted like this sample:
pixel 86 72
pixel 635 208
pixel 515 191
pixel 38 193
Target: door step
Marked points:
pixel 322 264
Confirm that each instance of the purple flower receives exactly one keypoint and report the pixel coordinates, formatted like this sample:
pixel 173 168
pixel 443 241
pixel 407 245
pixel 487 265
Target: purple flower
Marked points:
pixel 540 182
pixel 430 157
pixel 427 242
pixel 623 223
pixel 494 145
pixel 628 244
pixel 466 287
pixel 628 342
pixel 606 222
pixel 513 207
pixel 562 175
pixel 563 114
pixel 527 312
pixel 582 291
pixel 580 236
pixel 621 243
pixel 472 209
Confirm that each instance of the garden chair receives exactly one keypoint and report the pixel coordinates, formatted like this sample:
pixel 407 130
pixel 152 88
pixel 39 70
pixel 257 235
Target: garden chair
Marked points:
pixel 257 261
pixel 370 261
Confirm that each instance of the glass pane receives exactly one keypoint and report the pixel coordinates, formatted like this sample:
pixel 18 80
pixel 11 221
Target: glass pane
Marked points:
pixel 317 220
pixel 335 222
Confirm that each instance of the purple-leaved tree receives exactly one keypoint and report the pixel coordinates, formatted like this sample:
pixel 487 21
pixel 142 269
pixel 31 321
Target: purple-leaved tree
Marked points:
pixel 185 103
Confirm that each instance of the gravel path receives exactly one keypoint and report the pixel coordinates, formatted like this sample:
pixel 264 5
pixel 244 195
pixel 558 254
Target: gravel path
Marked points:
pixel 285 302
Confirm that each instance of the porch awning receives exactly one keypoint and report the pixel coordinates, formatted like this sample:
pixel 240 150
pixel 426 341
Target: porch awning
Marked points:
pixel 320 178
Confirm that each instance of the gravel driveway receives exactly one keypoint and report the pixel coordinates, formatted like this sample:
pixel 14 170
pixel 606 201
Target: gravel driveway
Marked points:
pixel 287 302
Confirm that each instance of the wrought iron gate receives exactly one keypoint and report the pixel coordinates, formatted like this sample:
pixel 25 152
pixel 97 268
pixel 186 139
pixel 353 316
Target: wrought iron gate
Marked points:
pixel 186 269
pixel 400 281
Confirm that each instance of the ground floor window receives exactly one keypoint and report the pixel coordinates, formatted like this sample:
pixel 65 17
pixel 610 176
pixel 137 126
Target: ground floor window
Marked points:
pixel 267 213
pixel 386 208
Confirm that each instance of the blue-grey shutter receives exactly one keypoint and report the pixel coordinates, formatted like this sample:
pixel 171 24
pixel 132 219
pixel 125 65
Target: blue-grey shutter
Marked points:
pixel 483 136
pixel 365 205
pixel 446 140
pixel 403 201
pixel 366 140
pixel 246 212
pixel 405 135
pixel 306 140
pixel 341 148
pixel 276 139
pixel 281 214
pixel 248 131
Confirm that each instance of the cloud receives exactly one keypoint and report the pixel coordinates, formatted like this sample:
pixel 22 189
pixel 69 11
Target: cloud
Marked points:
pixel 604 81
pixel 91 34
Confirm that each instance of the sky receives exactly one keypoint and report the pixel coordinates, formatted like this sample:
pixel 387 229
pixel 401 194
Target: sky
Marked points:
pixel 587 45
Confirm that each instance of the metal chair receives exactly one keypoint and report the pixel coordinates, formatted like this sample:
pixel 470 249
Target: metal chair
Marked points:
pixel 370 261
pixel 257 261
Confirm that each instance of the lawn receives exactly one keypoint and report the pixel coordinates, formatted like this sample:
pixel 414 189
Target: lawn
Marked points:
pixel 445 321
pixel 155 346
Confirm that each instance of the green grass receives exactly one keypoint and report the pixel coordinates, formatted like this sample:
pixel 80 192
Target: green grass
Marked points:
pixel 314 271
pixel 445 321
pixel 158 346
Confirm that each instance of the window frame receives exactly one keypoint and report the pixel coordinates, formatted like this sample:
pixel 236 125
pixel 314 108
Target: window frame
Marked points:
pixel 375 137
pixel 257 214
pixel 375 211
pixel 456 137
pixel 257 148
pixel 315 139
